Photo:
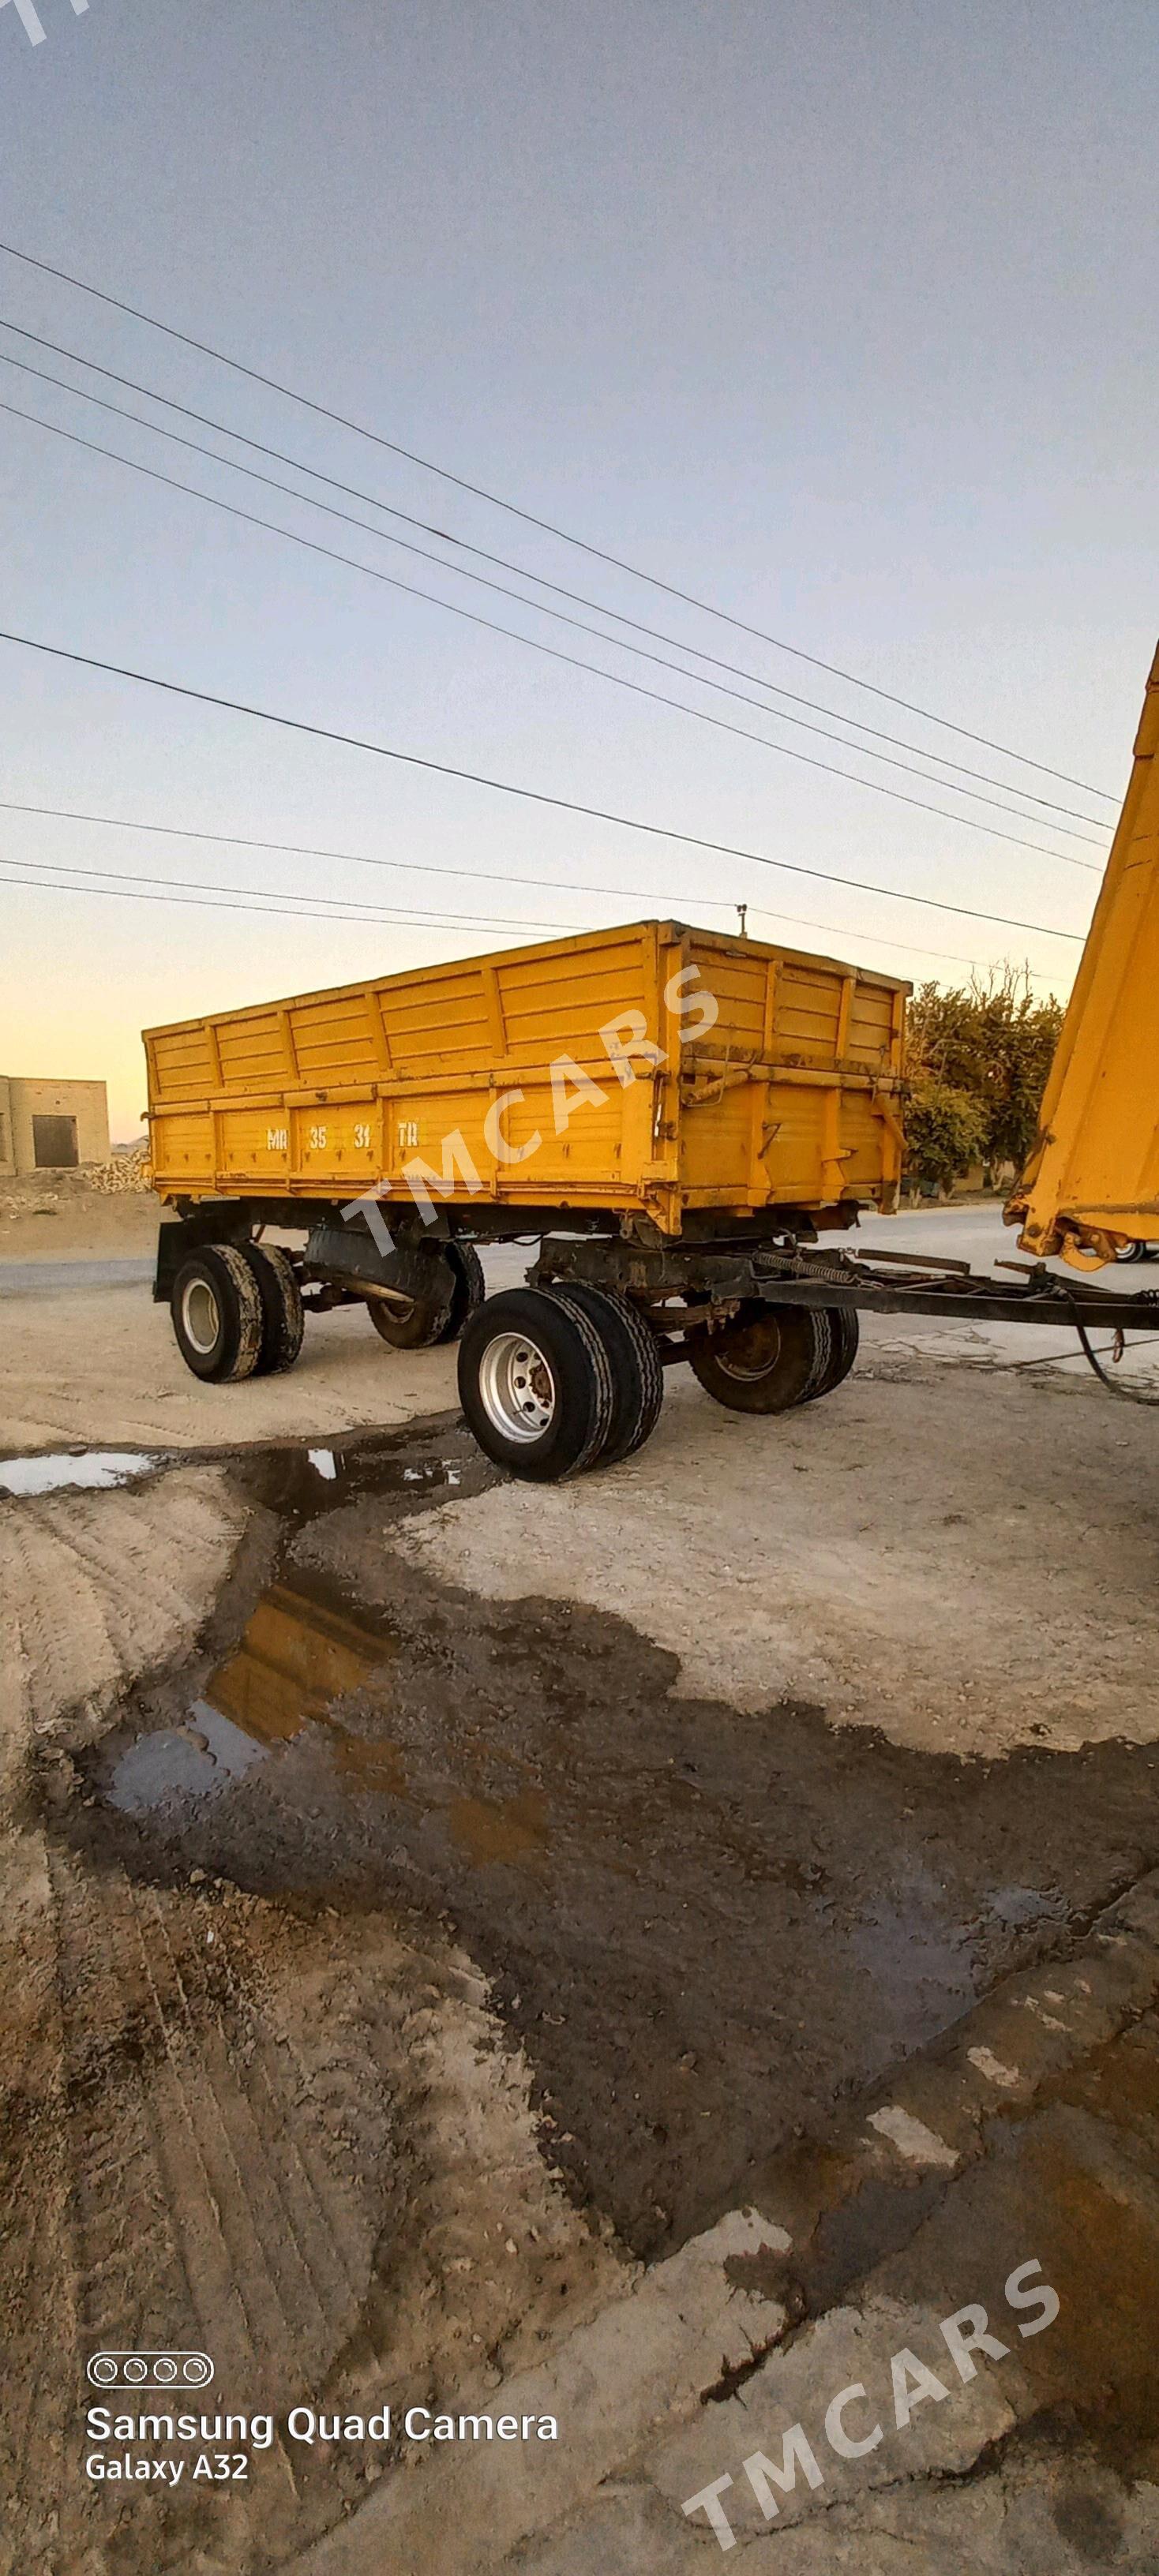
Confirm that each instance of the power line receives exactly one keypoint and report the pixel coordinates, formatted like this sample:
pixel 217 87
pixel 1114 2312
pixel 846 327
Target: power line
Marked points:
pixel 357 858
pixel 657 635
pixel 574 661
pixel 193 889
pixel 527 795
pixel 546 526
pixel 364 917
pixel 199 903
pixel 533 643
pixel 420 867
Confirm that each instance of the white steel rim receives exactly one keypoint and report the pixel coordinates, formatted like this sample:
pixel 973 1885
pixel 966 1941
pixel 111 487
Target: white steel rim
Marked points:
pixel 516 1387
pixel 200 1316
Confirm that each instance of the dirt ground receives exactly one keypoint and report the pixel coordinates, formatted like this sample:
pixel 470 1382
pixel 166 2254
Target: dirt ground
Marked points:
pixel 86 1356
pixel 98 1363
pixel 294 2137
pixel 719 1912
pixel 53 1216
pixel 426 1899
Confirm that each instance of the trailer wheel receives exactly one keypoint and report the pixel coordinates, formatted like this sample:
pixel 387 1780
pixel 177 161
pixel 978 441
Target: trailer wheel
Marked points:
pixel 845 1337
pixel 216 1309
pixel 535 1384
pixel 427 1318
pixel 769 1359
pixel 283 1317
pixel 637 1376
pixel 470 1288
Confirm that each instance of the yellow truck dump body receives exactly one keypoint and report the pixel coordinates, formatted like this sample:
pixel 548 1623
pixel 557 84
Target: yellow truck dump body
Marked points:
pixel 647 1070
pixel 1092 1181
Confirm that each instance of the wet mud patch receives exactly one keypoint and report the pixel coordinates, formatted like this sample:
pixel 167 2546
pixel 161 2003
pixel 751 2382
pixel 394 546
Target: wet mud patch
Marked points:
pixel 303 1479
pixel 704 1926
pixel 288 2133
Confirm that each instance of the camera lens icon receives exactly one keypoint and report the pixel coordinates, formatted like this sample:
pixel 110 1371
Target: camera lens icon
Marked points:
pixel 149 2369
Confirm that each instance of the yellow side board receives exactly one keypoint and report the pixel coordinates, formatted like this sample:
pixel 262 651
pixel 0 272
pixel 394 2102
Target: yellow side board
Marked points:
pixel 497 1074
pixel 1092 1181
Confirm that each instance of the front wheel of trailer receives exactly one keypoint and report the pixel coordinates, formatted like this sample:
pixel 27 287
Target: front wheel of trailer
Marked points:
pixel 217 1314
pixel 634 1360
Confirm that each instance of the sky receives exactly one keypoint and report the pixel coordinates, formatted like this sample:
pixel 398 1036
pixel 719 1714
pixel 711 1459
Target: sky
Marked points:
pixel 841 320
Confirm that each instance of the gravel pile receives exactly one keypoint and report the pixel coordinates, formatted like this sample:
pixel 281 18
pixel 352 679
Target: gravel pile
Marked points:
pixel 46 1193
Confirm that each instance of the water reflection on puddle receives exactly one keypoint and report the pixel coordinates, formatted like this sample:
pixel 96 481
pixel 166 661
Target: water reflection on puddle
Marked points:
pixel 305 1479
pixel 499 1828
pixel 297 1658
pixel 355 1468
pixel 179 1764
pixel 94 1468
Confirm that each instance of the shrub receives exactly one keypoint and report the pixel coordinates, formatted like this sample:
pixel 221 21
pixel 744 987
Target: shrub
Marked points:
pixel 944 1131
pixel 992 1044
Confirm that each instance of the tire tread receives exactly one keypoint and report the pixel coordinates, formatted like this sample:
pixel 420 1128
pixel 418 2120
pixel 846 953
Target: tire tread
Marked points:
pixel 638 1386
pixel 250 1314
pixel 283 1315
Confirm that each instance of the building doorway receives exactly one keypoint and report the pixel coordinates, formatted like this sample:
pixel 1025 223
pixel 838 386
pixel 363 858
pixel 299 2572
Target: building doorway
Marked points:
pixel 54 1144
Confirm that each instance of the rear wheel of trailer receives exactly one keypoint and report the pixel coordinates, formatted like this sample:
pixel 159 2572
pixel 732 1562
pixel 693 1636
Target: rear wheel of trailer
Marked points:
pixel 536 1384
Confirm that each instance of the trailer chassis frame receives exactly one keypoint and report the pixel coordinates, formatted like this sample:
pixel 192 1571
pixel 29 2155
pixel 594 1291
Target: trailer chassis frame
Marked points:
pixel 724 1274
pixel 678 1282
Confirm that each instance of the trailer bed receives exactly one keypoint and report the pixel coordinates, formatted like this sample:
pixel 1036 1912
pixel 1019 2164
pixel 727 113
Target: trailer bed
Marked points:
pixel 790 1098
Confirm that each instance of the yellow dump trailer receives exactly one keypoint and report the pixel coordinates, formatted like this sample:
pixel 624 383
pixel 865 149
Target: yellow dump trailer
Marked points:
pixel 673 1118
pixel 1091 1186
pixel 649 1072
pixel 672 1115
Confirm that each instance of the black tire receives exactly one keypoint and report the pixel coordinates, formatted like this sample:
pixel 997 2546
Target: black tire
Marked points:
pixel 283 1317
pixel 417 1326
pixel 845 1336
pixel 535 1385
pixel 470 1288
pixel 770 1359
pixel 216 1309
pixel 637 1376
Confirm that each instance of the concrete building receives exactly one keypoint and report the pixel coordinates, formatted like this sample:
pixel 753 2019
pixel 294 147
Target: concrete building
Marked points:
pixel 51 1126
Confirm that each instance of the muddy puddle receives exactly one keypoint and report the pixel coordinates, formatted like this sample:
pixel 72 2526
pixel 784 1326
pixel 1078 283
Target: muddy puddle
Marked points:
pixel 705 1927
pixel 297 1478
pixel 94 1470
pixel 296 1664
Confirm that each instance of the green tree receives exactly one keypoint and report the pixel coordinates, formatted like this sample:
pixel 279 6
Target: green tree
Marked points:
pixel 990 1043
pixel 944 1131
